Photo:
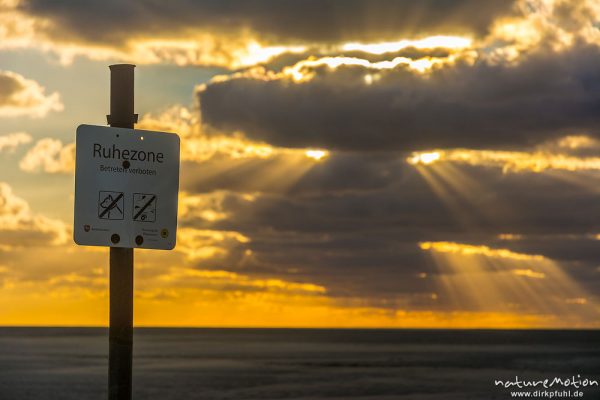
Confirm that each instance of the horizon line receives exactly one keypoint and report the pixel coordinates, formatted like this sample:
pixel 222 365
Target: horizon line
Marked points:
pixel 310 328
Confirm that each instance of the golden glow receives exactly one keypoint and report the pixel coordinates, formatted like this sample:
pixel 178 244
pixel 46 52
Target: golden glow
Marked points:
pixel 535 24
pixel 577 300
pixel 517 161
pixel 432 42
pixel 212 215
pixel 316 155
pixel 424 157
pixel 574 142
pixel 246 51
pixel 168 294
pixel 185 274
pixel 215 308
pixel 258 54
pixel 208 207
pixel 513 161
pixel 304 70
pixel 529 273
pixel 190 297
pixel 371 78
pixel 198 146
pixel 199 244
pixel 485 279
pixel 207 49
pixel 543 24
pixel 467 249
pixel 509 236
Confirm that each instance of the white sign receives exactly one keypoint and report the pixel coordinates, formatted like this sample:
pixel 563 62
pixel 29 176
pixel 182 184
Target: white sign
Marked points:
pixel 126 187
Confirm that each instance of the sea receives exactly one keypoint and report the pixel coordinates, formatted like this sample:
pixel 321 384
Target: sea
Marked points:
pixel 237 364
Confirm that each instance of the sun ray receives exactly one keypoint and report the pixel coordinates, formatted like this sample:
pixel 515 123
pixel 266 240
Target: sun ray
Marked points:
pixel 499 280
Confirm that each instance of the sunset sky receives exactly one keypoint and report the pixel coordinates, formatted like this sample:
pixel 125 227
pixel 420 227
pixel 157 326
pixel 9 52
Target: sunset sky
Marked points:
pixel 345 163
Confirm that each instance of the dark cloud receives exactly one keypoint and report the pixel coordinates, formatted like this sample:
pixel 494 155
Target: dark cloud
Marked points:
pixel 526 203
pixel 544 96
pixel 9 86
pixel 359 236
pixel 342 172
pixel 312 21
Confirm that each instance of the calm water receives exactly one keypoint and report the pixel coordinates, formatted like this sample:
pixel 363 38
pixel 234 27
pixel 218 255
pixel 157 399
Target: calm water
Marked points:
pixel 43 363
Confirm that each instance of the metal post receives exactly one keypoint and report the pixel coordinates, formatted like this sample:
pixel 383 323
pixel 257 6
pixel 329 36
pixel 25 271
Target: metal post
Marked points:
pixel 120 336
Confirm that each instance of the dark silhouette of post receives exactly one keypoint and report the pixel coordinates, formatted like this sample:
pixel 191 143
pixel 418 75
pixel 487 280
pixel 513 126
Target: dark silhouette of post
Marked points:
pixel 120 336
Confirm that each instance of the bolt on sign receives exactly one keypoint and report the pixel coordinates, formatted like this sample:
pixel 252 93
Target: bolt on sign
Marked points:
pixel 126 187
